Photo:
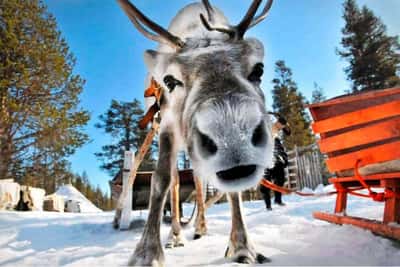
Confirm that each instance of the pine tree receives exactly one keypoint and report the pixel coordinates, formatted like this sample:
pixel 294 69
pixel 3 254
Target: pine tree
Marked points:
pixel 86 183
pixel 40 118
pixel 318 94
pixel 290 103
pixel 121 122
pixel 78 183
pixel 373 55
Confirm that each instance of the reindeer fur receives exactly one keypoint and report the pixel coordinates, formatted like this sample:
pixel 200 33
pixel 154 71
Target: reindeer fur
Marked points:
pixel 216 113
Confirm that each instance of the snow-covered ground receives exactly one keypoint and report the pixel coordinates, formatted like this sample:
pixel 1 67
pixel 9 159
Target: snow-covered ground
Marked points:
pixel 288 235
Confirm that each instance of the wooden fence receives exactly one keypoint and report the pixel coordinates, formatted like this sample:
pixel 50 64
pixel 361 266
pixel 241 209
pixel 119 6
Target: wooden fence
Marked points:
pixel 306 168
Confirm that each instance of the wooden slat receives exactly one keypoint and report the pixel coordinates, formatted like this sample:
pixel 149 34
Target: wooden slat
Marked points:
pixel 372 225
pixel 370 155
pixel 358 117
pixel 370 134
pixel 357 97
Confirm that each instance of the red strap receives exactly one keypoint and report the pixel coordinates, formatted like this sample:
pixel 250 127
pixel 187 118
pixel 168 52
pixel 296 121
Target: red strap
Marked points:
pixel 284 190
pixel 382 196
pixel 379 197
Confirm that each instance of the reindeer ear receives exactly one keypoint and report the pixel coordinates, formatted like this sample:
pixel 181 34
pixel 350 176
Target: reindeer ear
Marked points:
pixel 256 47
pixel 155 59
pixel 150 58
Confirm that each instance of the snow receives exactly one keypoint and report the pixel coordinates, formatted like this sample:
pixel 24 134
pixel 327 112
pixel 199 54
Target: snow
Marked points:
pixel 69 192
pixel 287 235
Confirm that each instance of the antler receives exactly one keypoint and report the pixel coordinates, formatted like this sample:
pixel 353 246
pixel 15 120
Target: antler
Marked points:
pixel 237 32
pixel 244 25
pixel 228 30
pixel 139 19
pixel 263 14
pixel 210 10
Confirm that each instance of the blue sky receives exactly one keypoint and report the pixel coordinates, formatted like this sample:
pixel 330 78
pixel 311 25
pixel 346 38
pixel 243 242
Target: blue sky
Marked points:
pixel 109 51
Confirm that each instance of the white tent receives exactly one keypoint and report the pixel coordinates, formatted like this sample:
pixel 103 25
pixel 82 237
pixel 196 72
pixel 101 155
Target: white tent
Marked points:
pixel 9 194
pixel 70 193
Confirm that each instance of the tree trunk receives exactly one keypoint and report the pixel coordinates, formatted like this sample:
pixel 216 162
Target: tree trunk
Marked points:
pixel 5 157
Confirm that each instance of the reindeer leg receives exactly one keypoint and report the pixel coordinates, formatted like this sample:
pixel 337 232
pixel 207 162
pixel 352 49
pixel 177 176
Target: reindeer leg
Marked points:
pixel 149 251
pixel 240 248
pixel 175 238
pixel 200 223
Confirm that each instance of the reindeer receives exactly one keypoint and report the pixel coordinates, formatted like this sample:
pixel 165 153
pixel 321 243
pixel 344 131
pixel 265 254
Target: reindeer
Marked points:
pixel 211 106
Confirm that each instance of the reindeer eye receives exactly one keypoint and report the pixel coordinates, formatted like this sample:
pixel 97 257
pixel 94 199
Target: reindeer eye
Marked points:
pixel 171 82
pixel 256 74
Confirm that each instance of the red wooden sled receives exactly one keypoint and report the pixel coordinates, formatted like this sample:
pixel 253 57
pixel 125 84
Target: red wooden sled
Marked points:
pixel 363 128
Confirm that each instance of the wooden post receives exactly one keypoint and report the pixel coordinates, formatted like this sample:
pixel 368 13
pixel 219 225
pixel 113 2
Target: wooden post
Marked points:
pixel 341 199
pixel 127 205
pixel 298 176
pixel 132 175
pixel 392 205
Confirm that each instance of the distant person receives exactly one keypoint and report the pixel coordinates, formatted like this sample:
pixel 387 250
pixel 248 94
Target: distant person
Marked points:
pixel 277 173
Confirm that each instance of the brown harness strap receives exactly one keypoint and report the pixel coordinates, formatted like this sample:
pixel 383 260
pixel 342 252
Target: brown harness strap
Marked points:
pixel 154 90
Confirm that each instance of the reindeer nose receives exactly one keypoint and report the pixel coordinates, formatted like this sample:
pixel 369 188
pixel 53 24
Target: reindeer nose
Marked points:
pixel 236 173
pixel 259 137
pixel 207 145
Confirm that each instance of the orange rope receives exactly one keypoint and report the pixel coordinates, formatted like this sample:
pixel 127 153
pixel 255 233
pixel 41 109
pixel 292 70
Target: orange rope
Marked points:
pixel 284 190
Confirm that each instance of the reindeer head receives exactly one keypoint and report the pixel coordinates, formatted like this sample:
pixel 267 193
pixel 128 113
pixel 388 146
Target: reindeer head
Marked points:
pixel 212 94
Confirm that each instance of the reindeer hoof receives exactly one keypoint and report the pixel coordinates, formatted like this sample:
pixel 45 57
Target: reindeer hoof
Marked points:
pixel 173 245
pixel 248 260
pixel 175 240
pixel 154 263
pixel 116 224
pixel 134 261
pixel 246 256
pixel 262 259
pixel 197 236
pixel 244 259
pixel 152 255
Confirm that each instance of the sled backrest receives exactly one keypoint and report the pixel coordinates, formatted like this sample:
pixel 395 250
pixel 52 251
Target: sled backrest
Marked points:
pixel 362 127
